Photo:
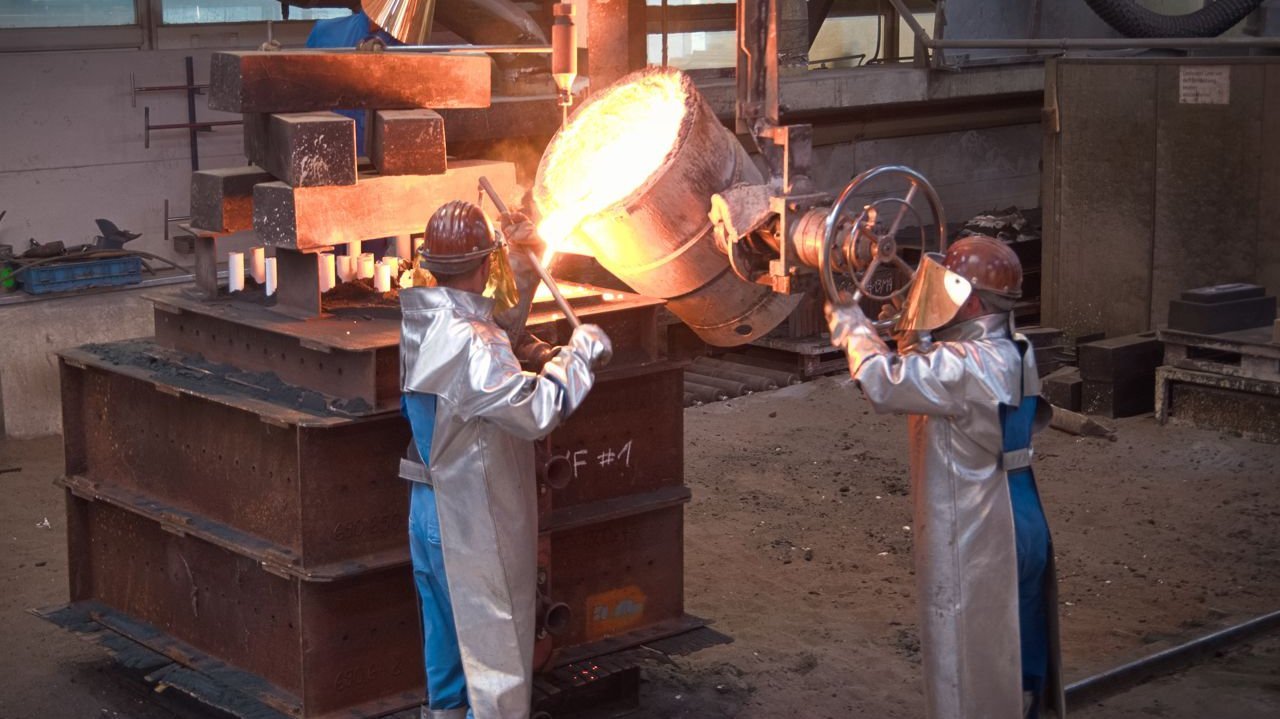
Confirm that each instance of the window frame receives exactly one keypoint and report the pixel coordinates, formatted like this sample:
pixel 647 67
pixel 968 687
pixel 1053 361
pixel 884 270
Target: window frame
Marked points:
pixel 148 33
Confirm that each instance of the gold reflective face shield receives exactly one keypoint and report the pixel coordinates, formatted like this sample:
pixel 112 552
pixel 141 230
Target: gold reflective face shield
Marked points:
pixel 936 296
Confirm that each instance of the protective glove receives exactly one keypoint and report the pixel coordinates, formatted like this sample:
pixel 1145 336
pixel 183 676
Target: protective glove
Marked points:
pixel 521 233
pixel 532 352
pixel 591 342
pixel 852 332
pixel 846 321
pixel 891 308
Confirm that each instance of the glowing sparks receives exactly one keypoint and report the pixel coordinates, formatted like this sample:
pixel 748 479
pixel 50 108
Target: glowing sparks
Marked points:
pixel 610 148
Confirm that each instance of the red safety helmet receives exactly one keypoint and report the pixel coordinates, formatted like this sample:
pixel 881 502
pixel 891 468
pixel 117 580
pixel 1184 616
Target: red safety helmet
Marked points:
pixel 990 265
pixel 943 283
pixel 458 239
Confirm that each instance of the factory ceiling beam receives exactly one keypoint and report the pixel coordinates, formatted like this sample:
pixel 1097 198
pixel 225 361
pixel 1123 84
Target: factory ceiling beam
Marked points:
pixel 296 81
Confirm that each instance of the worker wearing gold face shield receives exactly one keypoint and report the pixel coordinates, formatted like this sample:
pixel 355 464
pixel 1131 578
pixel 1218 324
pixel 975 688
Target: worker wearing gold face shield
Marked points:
pixel 984 563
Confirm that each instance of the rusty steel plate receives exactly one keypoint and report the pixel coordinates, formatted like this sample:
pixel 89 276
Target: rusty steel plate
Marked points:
pixel 327 495
pixel 620 576
pixel 352 353
pixel 626 439
pixel 344 648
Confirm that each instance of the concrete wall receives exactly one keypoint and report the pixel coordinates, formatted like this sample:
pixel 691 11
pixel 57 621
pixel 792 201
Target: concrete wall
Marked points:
pixel 31 335
pixel 1147 195
pixel 973 171
pixel 73 144
pixel 72 151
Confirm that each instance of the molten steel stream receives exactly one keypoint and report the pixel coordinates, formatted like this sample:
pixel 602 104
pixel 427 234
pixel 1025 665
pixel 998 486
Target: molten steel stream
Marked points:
pixel 608 150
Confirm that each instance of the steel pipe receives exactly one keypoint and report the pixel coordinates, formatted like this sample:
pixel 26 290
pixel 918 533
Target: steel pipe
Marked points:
pixel 1072 43
pixel 502 49
pixel 704 393
pixel 781 378
pixel 1125 676
pixel 753 382
pixel 734 389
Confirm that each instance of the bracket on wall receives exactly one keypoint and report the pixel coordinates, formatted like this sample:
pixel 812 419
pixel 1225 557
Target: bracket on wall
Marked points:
pixel 192 125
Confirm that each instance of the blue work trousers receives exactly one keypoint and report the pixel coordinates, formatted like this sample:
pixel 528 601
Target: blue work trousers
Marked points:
pixel 1031 535
pixel 446 684
pixel 1031 532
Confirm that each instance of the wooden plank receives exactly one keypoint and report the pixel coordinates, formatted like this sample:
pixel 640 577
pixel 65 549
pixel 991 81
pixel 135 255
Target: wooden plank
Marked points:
pixel 304 149
pixel 222 199
pixel 408 142
pixel 311 218
pixel 307 80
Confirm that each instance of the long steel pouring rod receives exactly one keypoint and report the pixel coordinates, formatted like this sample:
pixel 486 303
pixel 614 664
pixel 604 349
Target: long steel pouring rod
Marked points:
pixel 542 271
pixel 500 49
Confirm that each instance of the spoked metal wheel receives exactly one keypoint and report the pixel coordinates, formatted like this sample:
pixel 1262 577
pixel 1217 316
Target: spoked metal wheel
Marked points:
pixel 859 242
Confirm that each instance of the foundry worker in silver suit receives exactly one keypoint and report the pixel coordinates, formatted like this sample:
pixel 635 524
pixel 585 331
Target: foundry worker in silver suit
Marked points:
pixel 473 521
pixel 984 563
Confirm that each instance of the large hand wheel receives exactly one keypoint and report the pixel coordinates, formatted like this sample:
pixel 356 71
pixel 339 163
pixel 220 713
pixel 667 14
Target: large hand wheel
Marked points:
pixel 853 251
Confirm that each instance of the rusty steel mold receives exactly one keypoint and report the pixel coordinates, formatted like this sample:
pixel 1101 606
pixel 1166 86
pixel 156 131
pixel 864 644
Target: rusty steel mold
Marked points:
pixel 312 488
pixel 218 496
pixel 327 649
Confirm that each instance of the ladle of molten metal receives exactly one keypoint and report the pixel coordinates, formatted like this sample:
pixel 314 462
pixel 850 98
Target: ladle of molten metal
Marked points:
pixel 534 260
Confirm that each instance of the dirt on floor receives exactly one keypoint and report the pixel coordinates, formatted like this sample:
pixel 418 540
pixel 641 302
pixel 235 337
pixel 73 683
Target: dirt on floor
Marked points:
pixel 798 546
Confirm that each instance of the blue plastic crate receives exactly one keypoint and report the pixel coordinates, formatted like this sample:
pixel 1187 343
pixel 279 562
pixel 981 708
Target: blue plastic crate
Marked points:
pixel 65 276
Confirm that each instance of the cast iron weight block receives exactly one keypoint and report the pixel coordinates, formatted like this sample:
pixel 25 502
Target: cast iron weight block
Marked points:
pixel 1121 359
pixel 1063 387
pixel 304 149
pixel 222 199
pixel 1124 398
pixel 408 142
pixel 1222 308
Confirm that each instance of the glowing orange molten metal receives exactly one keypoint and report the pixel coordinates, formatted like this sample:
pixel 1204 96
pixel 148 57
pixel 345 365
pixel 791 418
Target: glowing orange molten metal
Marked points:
pixel 609 149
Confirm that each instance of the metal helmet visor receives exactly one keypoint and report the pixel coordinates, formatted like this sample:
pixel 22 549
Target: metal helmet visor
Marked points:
pixel 935 297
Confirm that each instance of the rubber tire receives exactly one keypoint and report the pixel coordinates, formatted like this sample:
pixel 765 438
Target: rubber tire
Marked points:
pixel 1132 20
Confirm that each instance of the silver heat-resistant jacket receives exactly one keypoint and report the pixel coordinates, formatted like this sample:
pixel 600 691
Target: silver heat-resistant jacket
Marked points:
pixel 488 412
pixel 965 551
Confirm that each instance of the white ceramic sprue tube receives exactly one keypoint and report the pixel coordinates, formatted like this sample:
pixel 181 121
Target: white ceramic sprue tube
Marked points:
pixel 404 246
pixel 345 265
pixel 270 267
pixel 328 272
pixel 382 280
pixel 366 266
pixel 235 271
pixel 354 248
pixel 257 264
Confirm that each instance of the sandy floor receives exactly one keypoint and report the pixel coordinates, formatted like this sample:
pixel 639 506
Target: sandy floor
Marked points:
pixel 798 546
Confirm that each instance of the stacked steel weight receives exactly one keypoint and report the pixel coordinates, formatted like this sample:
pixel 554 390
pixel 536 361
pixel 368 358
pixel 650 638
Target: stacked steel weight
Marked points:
pixel 232 494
